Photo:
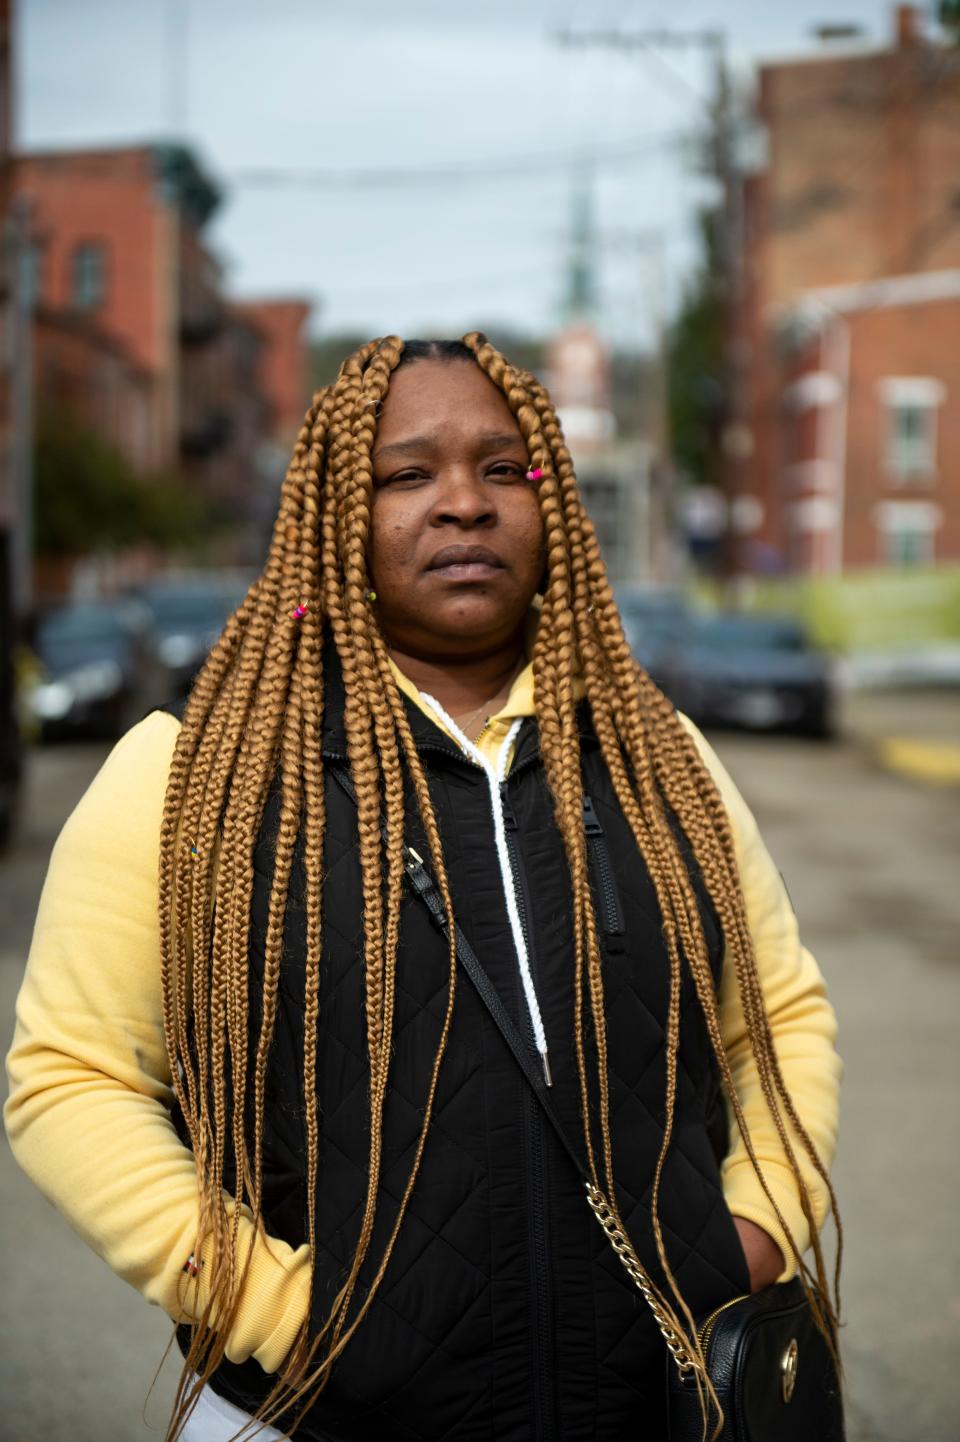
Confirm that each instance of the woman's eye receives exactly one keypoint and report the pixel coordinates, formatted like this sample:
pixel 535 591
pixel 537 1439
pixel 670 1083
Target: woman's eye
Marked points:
pixel 401 477
pixel 505 469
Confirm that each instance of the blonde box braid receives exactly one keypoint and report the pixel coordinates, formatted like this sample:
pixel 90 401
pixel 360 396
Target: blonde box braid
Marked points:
pixel 256 712
pixel 562 764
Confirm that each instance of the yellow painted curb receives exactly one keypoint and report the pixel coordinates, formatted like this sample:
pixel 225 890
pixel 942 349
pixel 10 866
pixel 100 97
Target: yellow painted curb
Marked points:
pixel 937 762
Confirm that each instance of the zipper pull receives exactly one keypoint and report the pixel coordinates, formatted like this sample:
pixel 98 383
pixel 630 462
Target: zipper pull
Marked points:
pixel 591 821
pixel 509 817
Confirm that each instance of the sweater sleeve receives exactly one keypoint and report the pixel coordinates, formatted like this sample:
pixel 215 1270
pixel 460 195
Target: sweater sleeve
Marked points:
pixel 804 1031
pixel 88 1116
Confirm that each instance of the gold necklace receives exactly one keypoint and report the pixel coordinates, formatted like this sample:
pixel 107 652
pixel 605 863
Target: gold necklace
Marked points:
pixel 495 703
pixel 467 725
pixel 491 707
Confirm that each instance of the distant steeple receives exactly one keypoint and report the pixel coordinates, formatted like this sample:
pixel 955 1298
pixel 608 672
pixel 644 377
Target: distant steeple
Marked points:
pixel 581 296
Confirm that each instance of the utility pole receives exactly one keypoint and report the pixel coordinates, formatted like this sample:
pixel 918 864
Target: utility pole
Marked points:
pixel 11 613
pixel 16 351
pixel 736 439
pixel 18 364
pixel 6 112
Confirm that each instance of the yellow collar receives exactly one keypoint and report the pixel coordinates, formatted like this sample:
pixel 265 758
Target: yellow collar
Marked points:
pixel 520 701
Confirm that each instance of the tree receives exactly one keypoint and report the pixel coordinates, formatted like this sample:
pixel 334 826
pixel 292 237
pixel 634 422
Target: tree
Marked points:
pixel 695 366
pixel 87 498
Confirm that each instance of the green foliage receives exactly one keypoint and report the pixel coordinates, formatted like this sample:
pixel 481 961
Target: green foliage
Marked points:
pixel 695 367
pixel 175 517
pixel 87 498
pixel 949 17
pixel 327 353
pixel 870 610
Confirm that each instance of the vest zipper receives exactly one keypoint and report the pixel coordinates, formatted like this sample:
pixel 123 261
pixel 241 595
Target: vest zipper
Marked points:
pixel 613 923
pixel 543 1369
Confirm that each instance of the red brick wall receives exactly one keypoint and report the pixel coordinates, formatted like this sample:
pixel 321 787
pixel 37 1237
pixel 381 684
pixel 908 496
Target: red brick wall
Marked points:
pixel 919 340
pixel 864 155
pixel 81 373
pixel 109 197
pixel 283 371
pixel 860 183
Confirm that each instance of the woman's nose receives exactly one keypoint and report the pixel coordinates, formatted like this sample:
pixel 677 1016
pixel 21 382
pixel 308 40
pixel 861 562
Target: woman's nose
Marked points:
pixel 463 499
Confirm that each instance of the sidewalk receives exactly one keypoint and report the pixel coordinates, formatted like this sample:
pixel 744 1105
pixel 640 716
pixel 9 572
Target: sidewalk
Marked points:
pixel 913 732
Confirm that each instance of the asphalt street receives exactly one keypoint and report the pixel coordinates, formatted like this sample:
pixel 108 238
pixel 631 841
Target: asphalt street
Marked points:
pixel 870 859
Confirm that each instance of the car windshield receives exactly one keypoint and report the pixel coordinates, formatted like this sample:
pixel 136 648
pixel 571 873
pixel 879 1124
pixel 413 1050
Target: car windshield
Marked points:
pixel 651 606
pixel 81 626
pixel 748 633
pixel 188 610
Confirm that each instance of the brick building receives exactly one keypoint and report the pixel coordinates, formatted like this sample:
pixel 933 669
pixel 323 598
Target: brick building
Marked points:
pixel 82 371
pixel 134 332
pixel 851 312
pixel 283 364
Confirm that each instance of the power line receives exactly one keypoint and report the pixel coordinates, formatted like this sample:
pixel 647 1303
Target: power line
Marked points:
pixel 649 44
pixel 420 285
pixel 503 167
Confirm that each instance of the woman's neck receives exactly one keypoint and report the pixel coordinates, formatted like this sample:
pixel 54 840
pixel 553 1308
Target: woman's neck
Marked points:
pixel 465 689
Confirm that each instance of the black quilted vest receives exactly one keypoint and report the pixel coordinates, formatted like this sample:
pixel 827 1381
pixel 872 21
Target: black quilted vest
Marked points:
pixel 503 1314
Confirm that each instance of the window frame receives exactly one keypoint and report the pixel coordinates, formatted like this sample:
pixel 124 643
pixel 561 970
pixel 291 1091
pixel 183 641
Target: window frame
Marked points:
pixel 910 460
pixel 81 251
pixel 907 521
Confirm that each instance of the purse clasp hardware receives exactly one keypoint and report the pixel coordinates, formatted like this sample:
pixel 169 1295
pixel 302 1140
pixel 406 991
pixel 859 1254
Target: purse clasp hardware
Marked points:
pixel 788 1369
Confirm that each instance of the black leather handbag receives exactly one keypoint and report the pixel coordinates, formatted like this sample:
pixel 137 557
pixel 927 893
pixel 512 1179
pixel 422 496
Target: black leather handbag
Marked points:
pixel 770 1367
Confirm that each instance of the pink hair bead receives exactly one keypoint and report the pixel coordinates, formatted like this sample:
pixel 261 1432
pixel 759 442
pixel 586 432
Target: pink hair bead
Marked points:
pixel 300 611
pixel 535 474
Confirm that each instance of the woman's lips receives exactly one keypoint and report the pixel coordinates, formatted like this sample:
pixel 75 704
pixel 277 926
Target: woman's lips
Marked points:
pixel 466 570
pixel 465 563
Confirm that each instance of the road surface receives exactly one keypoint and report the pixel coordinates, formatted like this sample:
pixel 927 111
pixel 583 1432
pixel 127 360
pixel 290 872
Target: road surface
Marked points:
pixel 870 859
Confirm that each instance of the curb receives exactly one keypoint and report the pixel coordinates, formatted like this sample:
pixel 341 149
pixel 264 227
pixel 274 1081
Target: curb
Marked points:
pixel 936 763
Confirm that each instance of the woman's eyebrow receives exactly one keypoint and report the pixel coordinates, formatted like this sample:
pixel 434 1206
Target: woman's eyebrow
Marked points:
pixel 484 445
pixel 406 448
pixel 501 442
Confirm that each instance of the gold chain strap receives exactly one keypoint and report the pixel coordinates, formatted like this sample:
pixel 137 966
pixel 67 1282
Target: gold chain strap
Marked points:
pixel 621 1244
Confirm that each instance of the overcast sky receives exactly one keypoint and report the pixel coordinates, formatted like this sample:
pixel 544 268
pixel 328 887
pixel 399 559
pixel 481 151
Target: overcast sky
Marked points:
pixel 297 87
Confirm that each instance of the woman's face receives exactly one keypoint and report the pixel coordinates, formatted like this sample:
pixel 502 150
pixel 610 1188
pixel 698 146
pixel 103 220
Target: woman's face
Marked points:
pixel 456 540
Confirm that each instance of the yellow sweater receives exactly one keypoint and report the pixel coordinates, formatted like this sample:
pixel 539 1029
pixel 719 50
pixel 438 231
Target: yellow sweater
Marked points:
pixel 90 1088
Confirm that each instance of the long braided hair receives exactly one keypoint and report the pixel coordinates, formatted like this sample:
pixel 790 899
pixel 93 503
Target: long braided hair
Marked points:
pixel 256 711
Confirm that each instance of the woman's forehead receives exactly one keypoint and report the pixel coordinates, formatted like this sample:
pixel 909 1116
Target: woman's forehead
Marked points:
pixel 434 398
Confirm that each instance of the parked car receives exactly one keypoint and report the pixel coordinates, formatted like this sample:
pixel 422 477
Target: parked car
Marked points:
pixel 757 672
pixel 94 675
pixel 654 622
pixel 186 615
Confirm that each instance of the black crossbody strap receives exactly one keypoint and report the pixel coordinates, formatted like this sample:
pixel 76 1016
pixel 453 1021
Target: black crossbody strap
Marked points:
pixel 423 885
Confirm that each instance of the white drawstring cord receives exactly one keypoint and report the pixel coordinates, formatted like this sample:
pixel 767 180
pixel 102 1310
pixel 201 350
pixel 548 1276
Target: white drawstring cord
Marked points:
pixel 494 778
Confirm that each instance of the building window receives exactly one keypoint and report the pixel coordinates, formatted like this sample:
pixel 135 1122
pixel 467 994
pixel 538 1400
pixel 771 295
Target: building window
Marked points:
pixel 907 532
pixel 910 443
pixel 88 276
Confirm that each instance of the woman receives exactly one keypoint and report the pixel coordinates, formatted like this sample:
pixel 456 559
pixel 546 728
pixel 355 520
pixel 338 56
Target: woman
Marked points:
pixel 274 1103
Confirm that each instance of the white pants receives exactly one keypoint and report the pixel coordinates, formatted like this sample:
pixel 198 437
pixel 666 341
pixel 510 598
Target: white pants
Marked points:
pixel 216 1420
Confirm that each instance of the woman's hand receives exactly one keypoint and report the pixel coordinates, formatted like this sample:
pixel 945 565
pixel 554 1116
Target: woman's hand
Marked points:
pixel 764 1258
